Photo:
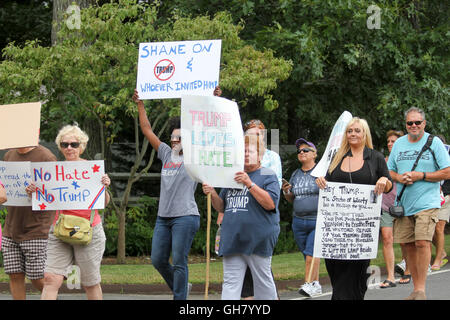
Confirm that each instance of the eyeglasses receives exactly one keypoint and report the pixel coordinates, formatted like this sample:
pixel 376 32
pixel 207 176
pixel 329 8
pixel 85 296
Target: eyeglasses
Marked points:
pixel 65 145
pixel 175 138
pixel 305 150
pixel 417 123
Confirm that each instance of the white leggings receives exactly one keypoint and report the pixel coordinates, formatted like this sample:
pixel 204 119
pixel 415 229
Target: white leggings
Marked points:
pixel 234 268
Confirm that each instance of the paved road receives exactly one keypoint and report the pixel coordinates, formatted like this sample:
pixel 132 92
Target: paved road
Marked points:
pixel 438 288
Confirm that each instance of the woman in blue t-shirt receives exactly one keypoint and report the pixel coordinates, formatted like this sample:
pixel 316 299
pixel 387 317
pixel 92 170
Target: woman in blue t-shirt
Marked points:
pixel 250 226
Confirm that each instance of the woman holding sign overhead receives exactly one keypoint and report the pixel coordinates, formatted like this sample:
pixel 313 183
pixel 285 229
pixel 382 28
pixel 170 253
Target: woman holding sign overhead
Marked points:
pixel 72 141
pixel 355 162
pixel 250 225
pixel 178 217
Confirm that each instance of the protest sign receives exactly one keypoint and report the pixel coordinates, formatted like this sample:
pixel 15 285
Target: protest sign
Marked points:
pixel 348 221
pixel 334 142
pixel 212 139
pixel 16 176
pixel 68 185
pixel 172 69
pixel 19 125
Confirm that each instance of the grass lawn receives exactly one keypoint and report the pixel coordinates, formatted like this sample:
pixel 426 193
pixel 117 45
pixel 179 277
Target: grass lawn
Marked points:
pixel 288 266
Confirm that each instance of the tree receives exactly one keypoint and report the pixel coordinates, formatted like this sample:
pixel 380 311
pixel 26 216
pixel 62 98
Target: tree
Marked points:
pixel 340 64
pixel 67 11
pixel 92 75
pixel 24 20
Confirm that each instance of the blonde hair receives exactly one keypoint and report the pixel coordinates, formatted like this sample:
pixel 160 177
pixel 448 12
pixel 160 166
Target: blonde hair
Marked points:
pixel 75 131
pixel 345 147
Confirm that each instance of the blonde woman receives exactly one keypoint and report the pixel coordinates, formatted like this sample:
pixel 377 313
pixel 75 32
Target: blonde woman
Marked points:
pixel 355 162
pixel 72 142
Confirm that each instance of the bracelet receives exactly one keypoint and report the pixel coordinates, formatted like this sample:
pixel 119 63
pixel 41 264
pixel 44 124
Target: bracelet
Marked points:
pixel 251 186
pixel 424 176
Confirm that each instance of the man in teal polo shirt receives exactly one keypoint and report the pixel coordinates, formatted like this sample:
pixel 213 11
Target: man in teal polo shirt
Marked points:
pixel 421 198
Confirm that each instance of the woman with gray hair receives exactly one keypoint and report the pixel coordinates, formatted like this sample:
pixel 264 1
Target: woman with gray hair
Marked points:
pixel 72 142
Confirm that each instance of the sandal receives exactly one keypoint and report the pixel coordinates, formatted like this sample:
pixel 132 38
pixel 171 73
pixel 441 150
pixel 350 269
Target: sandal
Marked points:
pixel 406 278
pixel 436 267
pixel 387 284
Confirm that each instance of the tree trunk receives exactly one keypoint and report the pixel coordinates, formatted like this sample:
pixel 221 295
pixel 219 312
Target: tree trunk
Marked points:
pixel 59 8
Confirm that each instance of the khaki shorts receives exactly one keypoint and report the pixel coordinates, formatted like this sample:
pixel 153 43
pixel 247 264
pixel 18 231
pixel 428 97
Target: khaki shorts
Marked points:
pixel 417 227
pixel 444 212
pixel 61 256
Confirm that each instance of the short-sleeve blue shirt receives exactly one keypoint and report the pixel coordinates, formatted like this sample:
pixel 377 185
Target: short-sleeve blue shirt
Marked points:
pixel 421 195
pixel 247 228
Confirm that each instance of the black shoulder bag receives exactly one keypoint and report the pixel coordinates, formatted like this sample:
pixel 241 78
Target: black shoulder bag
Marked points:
pixel 399 211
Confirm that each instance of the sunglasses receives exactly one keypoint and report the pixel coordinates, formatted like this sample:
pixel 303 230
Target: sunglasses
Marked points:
pixel 417 123
pixel 65 145
pixel 305 150
pixel 175 138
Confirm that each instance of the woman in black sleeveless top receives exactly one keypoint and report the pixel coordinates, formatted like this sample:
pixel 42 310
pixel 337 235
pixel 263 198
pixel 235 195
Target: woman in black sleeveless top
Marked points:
pixel 355 162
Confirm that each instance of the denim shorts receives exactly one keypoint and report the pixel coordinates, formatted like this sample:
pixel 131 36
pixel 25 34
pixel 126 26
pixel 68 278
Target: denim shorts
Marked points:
pixel 304 233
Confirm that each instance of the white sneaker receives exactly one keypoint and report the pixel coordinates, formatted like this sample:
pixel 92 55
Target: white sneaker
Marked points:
pixel 189 288
pixel 400 267
pixel 317 288
pixel 306 289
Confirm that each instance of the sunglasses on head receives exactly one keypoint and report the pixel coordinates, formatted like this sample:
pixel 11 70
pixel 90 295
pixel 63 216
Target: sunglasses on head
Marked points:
pixel 305 150
pixel 65 145
pixel 417 123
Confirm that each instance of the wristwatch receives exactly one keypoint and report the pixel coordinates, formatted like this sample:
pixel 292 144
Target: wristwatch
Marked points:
pixel 251 186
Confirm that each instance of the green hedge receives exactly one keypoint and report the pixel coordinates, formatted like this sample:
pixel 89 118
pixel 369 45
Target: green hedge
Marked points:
pixel 140 222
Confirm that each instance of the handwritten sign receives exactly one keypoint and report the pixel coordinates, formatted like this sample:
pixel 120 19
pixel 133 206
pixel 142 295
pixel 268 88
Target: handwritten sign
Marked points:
pixel 348 221
pixel 72 185
pixel 334 143
pixel 16 177
pixel 212 139
pixel 171 69
pixel 19 125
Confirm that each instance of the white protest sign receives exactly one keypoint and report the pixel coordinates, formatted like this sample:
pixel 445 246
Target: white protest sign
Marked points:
pixel 19 125
pixel 212 140
pixel 68 185
pixel 16 177
pixel 334 142
pixel 348 221
pixel 172 69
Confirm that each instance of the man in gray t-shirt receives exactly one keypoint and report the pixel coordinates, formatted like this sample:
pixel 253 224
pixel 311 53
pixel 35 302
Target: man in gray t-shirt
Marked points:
pixel 178 218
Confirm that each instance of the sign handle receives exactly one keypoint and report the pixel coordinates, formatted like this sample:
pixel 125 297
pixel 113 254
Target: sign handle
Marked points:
pixel 208 227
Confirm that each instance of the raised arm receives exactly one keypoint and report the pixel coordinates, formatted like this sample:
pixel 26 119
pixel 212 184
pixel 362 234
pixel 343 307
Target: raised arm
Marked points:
pixel 145 124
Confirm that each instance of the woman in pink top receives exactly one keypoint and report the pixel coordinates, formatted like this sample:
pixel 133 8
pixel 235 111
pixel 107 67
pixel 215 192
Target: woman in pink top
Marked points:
pixel 72 141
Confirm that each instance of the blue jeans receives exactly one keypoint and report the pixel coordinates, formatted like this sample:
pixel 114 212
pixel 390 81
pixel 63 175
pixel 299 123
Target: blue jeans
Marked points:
pixel 174 235
pixel 304 232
